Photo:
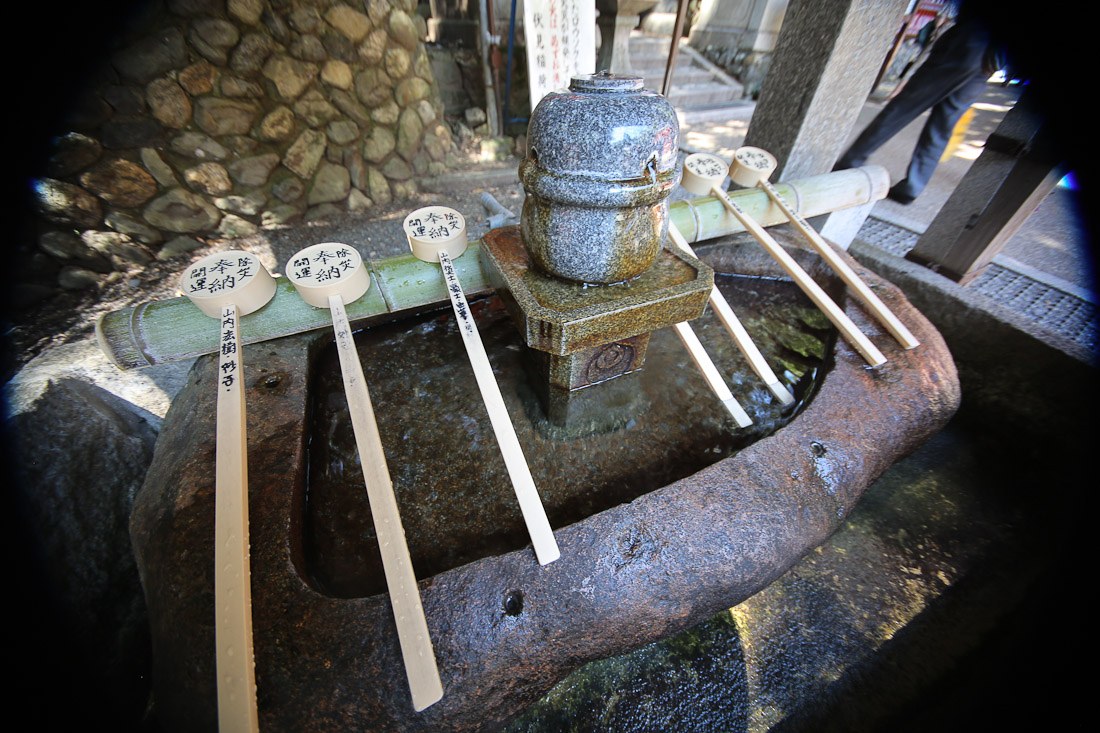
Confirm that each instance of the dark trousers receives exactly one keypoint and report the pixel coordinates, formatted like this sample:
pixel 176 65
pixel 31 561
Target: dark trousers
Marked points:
pixel 947 83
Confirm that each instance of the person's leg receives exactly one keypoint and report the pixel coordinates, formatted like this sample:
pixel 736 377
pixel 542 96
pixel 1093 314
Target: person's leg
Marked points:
pixel 934 137
pixel 922 91
pixel 951 64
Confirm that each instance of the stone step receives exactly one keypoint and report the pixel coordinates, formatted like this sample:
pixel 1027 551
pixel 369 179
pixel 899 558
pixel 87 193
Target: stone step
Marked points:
pixel 696 83
pixel 685 78
pixel 701 96
pixel 642 40
pixel 684 67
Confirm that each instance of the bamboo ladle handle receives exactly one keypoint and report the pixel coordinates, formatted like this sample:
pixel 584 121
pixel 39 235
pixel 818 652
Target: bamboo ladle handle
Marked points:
pixel 736 330
pixel 438 234
pixel 753 167
pixel 228 285
pixel 703 173
pixel 711 374
pixel 329 275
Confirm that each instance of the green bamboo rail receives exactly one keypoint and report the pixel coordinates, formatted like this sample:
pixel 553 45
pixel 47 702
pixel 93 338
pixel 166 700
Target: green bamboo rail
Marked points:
pixel 174 329
pixel 704 217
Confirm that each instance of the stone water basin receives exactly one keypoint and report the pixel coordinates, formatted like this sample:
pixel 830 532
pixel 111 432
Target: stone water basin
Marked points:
pixel 664 512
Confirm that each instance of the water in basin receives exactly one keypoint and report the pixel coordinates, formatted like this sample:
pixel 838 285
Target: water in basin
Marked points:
pixel 452 487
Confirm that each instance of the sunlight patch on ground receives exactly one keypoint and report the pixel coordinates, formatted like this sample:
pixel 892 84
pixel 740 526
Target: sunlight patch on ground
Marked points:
pixel 987 107
pixel 721 140
pixel 1051 242
pixel 969 151
pixel 707 142
pixel 722 145
pixel 735 127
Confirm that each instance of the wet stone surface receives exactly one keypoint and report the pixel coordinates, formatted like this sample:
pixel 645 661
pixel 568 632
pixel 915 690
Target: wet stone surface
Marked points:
pixel 456 500
pixel 862 633
pixel 504 628
pixel 694 681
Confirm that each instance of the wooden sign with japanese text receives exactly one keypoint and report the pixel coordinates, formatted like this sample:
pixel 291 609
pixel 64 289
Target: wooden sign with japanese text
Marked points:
pixel 561 43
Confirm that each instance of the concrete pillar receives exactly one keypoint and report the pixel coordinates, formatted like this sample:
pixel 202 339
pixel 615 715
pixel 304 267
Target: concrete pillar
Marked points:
pixel 825 62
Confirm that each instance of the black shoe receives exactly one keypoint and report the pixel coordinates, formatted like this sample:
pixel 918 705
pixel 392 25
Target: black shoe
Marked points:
pixel 901 197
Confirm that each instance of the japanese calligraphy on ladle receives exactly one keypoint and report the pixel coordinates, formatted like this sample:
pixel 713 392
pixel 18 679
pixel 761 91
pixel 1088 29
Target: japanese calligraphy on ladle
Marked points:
pixel 434 223
pixel 227 364
pixel 706 166
pixel 226 273
pixel 755 159
pixel 322 265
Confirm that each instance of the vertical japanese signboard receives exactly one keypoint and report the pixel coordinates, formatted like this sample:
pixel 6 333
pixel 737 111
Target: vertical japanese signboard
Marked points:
pixel 561 43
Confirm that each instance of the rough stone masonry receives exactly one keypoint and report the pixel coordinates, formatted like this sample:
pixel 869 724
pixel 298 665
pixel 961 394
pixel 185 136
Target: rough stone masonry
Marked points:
pixel 222 117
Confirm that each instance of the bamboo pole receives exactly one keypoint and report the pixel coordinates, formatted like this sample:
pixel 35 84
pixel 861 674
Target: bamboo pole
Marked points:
pixel 704 217
pixel 173 329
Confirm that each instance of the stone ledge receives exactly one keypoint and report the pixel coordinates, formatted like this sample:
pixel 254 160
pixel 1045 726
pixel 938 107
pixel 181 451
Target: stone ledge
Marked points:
pixel 627 576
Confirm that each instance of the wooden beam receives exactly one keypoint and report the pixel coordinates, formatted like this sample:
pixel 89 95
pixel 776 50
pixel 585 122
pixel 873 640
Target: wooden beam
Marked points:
pixel 1016 170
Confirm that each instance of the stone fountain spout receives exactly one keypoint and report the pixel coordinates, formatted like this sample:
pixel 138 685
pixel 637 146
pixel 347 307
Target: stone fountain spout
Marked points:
pixel 602 162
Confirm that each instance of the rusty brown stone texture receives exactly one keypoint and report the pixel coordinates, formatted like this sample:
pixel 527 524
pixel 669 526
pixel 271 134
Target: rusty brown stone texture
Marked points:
pixel 627 576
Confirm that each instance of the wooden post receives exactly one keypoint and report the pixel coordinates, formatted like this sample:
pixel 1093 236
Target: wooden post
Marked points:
pixel 674 46
pixel 1014 173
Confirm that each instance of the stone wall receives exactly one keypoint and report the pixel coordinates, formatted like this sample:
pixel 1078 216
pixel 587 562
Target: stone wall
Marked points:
pixel 216 118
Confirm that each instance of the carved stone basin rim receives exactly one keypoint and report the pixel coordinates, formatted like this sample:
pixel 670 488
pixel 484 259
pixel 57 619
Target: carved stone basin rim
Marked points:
pixel 627 576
